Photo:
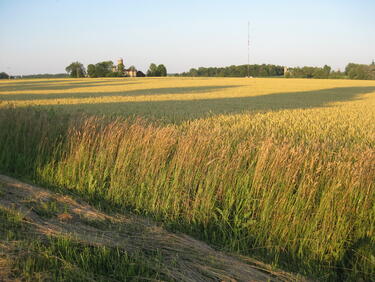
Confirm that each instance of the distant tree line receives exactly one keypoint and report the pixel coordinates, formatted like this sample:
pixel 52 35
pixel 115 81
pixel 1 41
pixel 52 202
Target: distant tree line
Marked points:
pixel 46 75
pixel 352 71
pixel 308 72
pixel 108 69
pixel 4 75
pixel 360 71
pixel 237 71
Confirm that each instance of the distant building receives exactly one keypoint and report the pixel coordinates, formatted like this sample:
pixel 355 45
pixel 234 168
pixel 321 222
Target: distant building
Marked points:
pixel 130 72
pixel 287 72
pixel 120 61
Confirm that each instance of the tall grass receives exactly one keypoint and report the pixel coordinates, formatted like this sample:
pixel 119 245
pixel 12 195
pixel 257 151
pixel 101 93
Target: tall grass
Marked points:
pixel 301 201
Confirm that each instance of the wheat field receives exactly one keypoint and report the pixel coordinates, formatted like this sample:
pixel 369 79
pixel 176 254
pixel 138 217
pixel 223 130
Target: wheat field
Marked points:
pixel 281 169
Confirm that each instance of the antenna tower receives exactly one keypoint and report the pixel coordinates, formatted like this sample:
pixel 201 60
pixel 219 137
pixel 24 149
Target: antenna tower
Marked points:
pixel 248 49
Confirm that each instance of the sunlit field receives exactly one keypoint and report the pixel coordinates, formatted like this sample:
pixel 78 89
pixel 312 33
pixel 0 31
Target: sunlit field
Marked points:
pixel 178 99
pixel 280 169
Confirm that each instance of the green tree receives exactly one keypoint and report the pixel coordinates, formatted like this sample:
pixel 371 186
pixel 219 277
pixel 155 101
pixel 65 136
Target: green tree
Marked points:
pixel 360 71
pixel 4 75
pixel 372 71
pixel 120 69
pixel 152 70
pixel 113 74
pixel 349 67
pixel 327 71
pixel 104 69
pixel 193 72
pixel 161 70
pixel 76 69
pixel 91 70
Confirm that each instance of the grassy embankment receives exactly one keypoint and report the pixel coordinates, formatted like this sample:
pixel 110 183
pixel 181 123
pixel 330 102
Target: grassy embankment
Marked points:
pixel 286 174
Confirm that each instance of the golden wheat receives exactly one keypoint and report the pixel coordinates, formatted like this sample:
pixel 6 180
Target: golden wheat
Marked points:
pixel 284 166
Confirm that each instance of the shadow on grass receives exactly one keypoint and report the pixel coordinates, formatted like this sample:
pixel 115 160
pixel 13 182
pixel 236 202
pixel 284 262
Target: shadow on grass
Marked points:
pixel 56 85
pixel 138 92
pixel 35 82
pixel 179 110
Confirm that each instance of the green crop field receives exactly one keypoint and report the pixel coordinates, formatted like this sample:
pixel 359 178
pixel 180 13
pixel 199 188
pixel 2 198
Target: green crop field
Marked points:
pixel 278 169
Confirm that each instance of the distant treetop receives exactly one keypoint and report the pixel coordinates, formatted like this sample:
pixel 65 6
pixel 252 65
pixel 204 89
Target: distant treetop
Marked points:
pixel 4 75
pixel 155 70
pixel 76 69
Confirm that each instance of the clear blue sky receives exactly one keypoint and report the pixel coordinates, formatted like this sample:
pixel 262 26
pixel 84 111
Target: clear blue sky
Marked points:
pixel 45 36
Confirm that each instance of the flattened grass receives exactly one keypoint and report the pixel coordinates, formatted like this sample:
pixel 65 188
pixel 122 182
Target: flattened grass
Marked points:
pixel 32 258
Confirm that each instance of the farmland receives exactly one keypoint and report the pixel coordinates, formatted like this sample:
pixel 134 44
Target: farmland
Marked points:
pixel 178 99
pixel 278 169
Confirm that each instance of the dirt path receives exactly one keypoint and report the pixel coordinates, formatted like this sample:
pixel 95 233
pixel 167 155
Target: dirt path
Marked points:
pixel 184 258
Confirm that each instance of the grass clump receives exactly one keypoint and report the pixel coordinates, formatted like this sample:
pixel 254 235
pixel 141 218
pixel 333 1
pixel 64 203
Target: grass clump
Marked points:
pixel 62 259
pixel 48 208
pixel 11 227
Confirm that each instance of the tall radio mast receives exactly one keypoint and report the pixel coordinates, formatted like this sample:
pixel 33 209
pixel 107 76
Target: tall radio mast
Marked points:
pixel 248 49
